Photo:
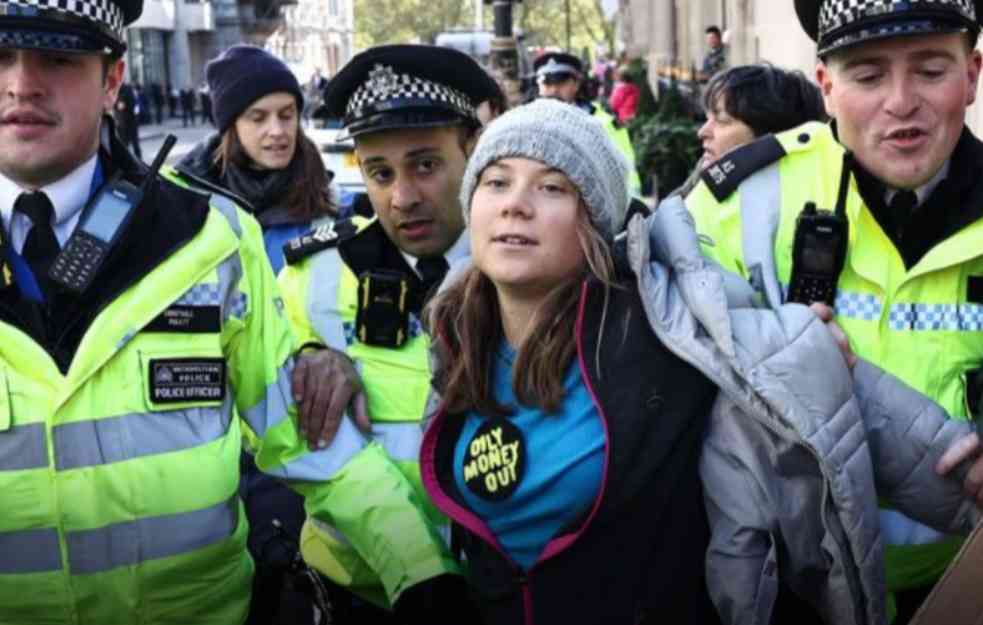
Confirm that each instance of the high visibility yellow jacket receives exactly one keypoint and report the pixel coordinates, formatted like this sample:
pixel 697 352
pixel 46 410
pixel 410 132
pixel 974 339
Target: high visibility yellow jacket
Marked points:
pixel 321 293
pixel 916 323
pixel 619 135
pixel 119 475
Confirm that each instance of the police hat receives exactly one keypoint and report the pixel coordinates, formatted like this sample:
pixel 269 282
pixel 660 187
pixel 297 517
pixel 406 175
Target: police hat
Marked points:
pixel 407 86
pixel 558 63
pixel 67 25
pixel 837 24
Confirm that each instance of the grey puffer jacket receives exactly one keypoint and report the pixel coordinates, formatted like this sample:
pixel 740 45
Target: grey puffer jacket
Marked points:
pixel 796 445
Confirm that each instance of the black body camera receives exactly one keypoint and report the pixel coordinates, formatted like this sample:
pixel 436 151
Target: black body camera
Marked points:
pixel 382 317
pixel 103 220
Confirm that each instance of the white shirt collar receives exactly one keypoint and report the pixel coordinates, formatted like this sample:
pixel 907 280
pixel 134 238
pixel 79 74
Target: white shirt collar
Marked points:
pixel 67 196
pixel 461 249
pixel 925 190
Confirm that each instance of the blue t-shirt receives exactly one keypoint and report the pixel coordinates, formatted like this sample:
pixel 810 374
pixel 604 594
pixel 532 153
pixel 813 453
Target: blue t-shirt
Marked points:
pixel 562 454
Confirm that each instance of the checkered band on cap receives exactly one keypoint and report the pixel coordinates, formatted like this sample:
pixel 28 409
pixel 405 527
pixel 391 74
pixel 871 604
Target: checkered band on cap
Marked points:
pixel 385 90
pixel 835 14
pixel 104 15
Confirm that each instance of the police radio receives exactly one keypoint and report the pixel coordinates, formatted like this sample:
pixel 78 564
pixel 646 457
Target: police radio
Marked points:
pixel 103 219
pixel 819 248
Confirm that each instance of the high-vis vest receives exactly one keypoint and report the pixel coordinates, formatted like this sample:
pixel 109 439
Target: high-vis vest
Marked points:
pixel 321 297
pixel 916 324
pixel 622 140
pixel 120 478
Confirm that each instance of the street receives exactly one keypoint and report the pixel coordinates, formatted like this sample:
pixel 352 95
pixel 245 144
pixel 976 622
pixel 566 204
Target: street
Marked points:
pixel 152 138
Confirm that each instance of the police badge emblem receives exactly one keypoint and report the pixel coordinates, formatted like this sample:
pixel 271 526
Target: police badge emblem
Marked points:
pixel 382 81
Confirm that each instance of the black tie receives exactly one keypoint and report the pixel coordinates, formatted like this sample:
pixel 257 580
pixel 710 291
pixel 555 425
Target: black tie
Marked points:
pixel 901 207
pixel 41 246
pixel 432 271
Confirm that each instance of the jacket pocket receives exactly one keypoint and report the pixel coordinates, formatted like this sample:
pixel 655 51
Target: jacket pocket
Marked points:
pixel 767 591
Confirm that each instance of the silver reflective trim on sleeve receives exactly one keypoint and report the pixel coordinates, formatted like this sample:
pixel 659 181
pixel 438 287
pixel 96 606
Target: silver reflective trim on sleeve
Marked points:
pixel 274 407
pixel 323 464
pixel 29 551
pixel 23 447
pixel 229 277
pixel 133 542
pixel 761 203
pixel 115 439
pixel 324 280
pixel 228 209
pixel 400 440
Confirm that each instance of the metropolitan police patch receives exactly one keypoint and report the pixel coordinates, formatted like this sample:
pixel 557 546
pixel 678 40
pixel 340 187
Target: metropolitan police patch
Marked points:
pixel 176 380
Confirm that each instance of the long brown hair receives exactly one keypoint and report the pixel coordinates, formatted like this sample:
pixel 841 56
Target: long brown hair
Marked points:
pixel 307 199
pixel 467 328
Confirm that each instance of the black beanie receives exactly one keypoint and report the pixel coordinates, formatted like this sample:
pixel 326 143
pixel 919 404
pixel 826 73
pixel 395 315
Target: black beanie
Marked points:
pixel 243 74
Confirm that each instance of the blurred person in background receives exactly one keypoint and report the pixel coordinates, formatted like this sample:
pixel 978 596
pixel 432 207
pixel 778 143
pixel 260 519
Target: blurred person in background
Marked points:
pixel 560 75
pixel 624 96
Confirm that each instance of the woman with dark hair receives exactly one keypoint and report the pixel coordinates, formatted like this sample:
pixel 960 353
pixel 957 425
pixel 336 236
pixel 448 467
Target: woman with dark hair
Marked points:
pixel 578 382
pixel 261 158
pixel 746 102
pixel 260 153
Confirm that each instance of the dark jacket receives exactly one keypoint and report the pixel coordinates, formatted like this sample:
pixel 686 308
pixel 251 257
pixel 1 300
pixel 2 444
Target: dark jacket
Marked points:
pixel 638 555
pixel 279 226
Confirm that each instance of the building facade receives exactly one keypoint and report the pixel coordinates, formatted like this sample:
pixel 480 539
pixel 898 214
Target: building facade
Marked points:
pixel 670 34
pixel 173 39
pixel 315 35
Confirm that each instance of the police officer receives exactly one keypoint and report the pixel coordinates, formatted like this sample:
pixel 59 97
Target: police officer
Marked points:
pixel 359 287
pixel 904 177
pixel 560 75
pixel 123 400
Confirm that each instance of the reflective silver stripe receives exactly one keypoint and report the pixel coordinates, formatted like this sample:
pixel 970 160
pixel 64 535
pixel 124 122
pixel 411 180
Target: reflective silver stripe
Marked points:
pixel 29 551
pixel 274 407
pixel 133 542
pixel 323 282
pixel 23 447
pixel 228 209
pixel 229 276
pixel 400 440
pixel 323 464
pixel 761 200
pixel 115 439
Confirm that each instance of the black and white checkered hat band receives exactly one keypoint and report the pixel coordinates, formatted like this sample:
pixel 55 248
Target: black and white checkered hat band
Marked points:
pixel 384 89
pixel 105 15
pixel 835 14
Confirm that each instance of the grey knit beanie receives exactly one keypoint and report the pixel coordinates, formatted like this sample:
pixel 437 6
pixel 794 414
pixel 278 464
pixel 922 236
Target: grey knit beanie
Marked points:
pixel 564 137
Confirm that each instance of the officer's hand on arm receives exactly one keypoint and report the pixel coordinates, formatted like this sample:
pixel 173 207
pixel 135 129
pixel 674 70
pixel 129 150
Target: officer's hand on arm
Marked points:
pixel 964 449
pixel 825 313
pixel 324 384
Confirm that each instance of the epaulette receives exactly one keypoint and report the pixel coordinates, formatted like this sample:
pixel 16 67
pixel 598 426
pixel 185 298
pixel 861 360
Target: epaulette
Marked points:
pixel 724 175
pixel 320 238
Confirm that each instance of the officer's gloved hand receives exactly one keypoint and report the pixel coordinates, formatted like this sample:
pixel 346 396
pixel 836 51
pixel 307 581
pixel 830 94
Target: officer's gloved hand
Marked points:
pixel 441 600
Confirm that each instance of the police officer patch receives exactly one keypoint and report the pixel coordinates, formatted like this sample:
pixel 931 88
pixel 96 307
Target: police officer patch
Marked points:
pixel 495 460
pixel 177 380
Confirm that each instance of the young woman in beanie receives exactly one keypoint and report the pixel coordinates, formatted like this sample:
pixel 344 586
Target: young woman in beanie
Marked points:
pixel 261 157
pixel 260 153
pixel 579 382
